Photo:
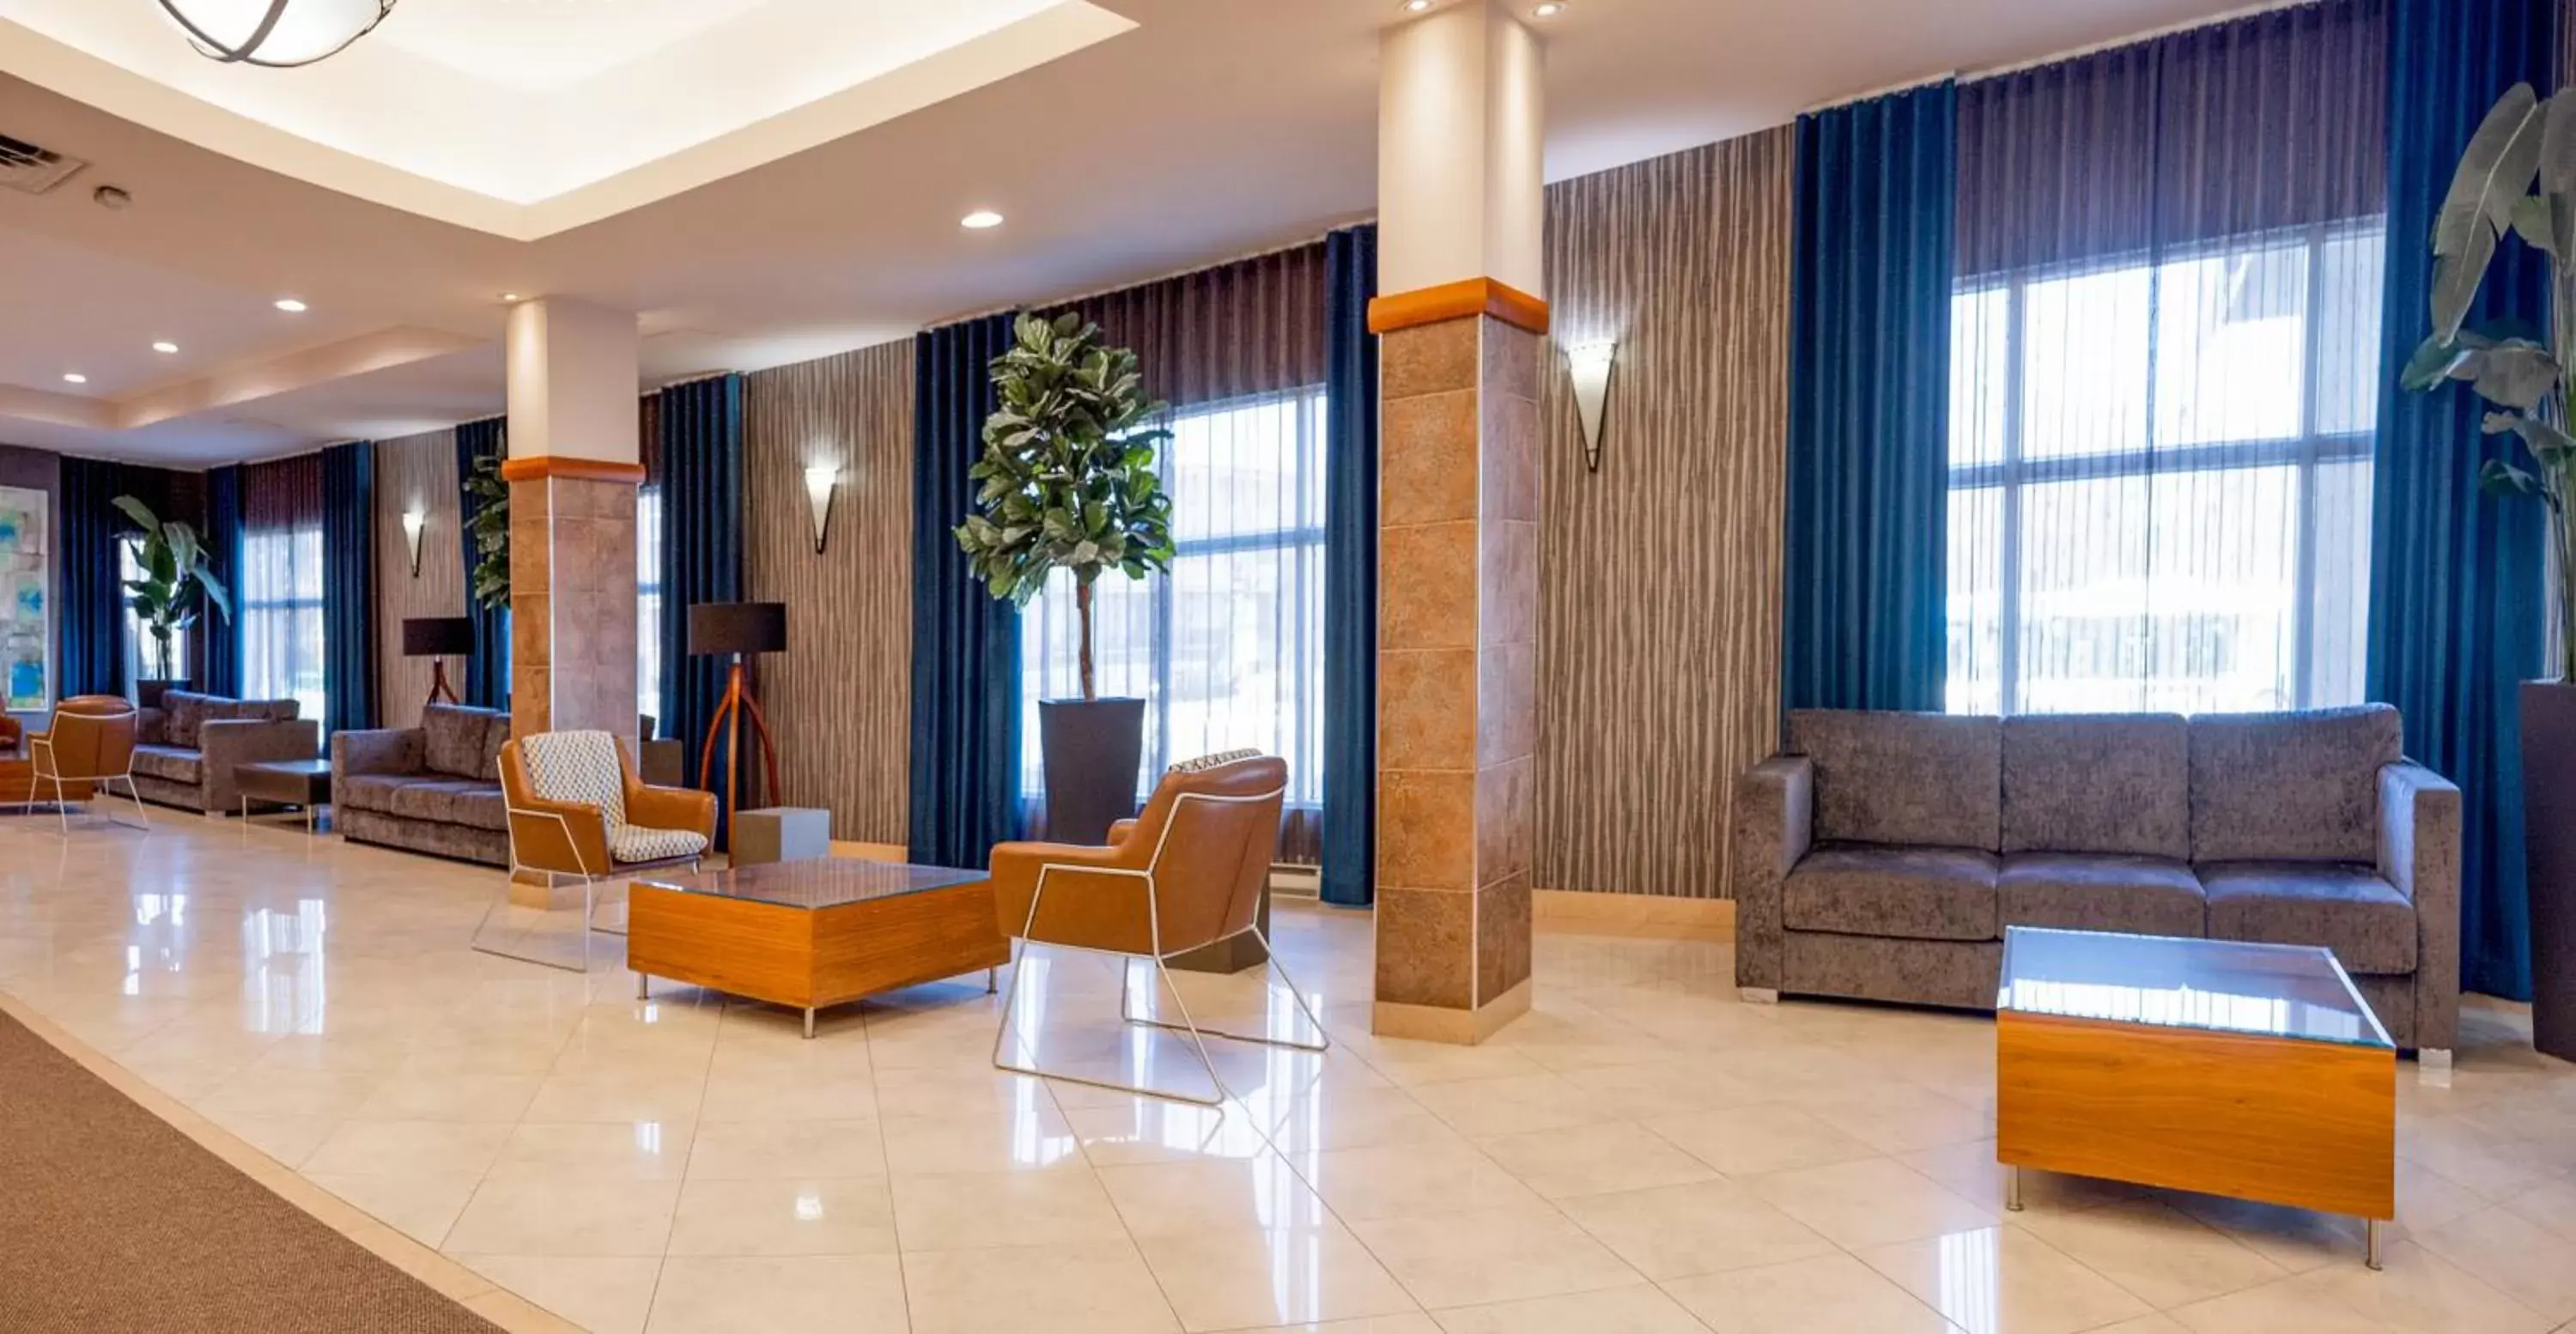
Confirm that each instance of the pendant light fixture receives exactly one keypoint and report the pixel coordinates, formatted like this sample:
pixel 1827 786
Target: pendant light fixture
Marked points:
pixel 278 34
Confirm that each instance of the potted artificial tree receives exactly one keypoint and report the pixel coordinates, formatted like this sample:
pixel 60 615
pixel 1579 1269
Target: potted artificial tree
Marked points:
pixel 2524 140
pixel 176 581
pixel 1069 484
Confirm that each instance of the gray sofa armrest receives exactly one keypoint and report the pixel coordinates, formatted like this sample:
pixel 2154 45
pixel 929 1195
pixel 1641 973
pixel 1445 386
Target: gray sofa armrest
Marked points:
pixel 151 727
pixel 227 742
pixel 2419 853
pixel 1775 819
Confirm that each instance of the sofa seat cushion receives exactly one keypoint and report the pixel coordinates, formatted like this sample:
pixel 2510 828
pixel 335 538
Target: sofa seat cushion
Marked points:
pixel 2085 891
pixel 170 764
pixel 2347 908
pixel 630 843
pixel 370 792
pixel 1916 893
pixel 451 801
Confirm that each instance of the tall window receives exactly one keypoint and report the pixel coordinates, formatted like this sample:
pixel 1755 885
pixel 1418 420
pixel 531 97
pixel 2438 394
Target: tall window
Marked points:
pixel 2160 479
pixel 648 606
pixel 1228 649
pixel 281 614
pixel 138 638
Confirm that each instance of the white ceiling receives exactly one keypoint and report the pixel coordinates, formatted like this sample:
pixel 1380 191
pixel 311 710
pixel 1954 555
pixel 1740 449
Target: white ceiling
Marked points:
pixel 1208 129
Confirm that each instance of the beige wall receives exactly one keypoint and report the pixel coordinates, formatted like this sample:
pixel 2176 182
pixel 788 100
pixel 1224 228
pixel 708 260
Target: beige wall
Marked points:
pixel 1660 574
pixel 840 698
pixel 418 471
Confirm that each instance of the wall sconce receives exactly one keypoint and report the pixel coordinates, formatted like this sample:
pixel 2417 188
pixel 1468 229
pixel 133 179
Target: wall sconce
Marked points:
pixel 820 480
pixel 1589 365
pixel 412 521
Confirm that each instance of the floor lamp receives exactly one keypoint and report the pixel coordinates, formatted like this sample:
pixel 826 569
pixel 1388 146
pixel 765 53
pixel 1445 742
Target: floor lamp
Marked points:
pixel 437 638
pixel 741 629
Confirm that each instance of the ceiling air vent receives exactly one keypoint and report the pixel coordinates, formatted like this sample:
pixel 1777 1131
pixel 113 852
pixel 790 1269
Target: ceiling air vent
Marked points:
pixel 31 170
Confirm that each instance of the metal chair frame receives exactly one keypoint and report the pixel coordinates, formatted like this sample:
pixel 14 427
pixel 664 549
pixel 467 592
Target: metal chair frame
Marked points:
pixel 590 882
pixel 47 768
pixel 1154 925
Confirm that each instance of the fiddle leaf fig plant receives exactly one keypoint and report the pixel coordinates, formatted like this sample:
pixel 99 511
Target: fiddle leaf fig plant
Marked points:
pixel 490 531
pixel 176 582
pixel 2524 142
pixel 1067 478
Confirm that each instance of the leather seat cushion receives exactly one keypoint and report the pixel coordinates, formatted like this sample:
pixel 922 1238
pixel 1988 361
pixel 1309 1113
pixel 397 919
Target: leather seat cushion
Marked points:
pixel 2345 907
pixel 2086 891
pixel 1916 893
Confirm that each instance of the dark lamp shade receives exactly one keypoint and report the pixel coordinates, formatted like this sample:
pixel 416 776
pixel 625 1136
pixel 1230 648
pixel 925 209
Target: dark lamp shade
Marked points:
pixel 438 637
pixel 738 627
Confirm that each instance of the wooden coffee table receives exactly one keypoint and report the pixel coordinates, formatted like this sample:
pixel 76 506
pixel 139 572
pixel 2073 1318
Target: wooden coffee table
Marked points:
pixel 304 784
pixel 811 934
pixel 2219 1066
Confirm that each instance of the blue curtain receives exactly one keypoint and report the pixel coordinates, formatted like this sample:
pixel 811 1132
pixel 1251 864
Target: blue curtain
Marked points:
pixel 2455 576
pixel 965 642
pixel 1350 570
pixel 701 481
pixel 487 673
pixel 1869 379
pixel 349 587
pixel 221 674
pixel 93 612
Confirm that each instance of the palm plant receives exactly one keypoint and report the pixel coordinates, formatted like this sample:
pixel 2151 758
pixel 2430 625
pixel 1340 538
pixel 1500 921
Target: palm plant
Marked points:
pixel 176 580
pixel 1068 472
pixel 490 531
pixel 2523 140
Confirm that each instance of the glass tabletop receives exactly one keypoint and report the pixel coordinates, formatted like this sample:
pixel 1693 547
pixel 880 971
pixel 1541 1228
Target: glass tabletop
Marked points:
pixel 819 883
pixel 2285 991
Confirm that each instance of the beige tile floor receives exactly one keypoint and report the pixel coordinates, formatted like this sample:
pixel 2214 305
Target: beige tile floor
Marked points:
pixel 1641 1155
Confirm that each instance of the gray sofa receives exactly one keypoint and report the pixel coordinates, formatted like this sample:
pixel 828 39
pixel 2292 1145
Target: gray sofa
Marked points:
pixel 435 788
pixel 1883 854
pixel 185 750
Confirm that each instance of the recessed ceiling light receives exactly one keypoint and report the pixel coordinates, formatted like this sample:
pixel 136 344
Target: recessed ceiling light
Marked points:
pixel 982 219
pixel 74 377
pixel 290 305
pixel 1416 6
pixel 509 296
pixel 165 347
pixel 1548 11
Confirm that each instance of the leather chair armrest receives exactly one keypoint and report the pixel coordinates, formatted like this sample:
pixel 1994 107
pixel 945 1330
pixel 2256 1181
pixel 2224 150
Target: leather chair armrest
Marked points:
pixel 2419 853
pixel 565 837
pixel 225 743
pixel 1095 897
pixel 672 808
pixel 1119 831
pixel 1774 824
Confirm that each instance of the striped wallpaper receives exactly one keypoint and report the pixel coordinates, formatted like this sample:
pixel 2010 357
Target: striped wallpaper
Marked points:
pixel 840 698
pixel 414 472
pixel 1660 574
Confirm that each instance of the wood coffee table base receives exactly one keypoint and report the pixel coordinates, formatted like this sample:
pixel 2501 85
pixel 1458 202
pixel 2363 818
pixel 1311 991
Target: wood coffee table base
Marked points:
pixel 811 958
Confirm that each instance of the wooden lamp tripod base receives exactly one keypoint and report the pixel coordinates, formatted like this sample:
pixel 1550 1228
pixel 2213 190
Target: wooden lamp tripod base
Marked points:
pixel 439 689
pixel 737 705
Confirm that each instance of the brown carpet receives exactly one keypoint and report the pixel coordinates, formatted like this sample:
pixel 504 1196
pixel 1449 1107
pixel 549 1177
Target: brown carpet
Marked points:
pixel 112 1221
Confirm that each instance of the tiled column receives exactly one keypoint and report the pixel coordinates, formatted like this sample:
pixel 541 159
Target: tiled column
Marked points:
pixel 1459 212
pixel 573 471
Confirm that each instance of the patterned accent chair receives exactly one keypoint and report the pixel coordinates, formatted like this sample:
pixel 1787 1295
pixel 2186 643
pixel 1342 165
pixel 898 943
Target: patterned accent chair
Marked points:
pixel 89 747
pixel 1185 874
pixel 577 809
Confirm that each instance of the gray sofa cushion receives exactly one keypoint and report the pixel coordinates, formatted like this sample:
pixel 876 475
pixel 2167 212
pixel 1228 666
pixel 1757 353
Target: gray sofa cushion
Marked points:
pixel 2147 896
pixel 452 740
pixel 451 801
pixel 170 764
pixel 1916 779
pixel 2118 782
pixel 2290 786
pixel 1920 893
pixel 496 735
pixel 371 792
pixel 2348 909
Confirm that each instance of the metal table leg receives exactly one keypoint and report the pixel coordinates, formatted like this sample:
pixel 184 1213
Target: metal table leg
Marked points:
pixel 2370 1255
pixel 2012 1189
pixel 809 1023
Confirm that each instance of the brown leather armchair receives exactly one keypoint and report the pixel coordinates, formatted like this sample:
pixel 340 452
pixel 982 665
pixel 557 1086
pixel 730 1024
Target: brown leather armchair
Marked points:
pixel 576 808
pixel 1185 874
pixel 89 746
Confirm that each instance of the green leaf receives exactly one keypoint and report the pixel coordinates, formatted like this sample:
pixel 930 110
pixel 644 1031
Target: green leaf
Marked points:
pixel 2547 443
pixel 139 512
pixel 2516 373
pixel 2531 222
pixel 2434 360
pixel 2504 479
pixel 2495 169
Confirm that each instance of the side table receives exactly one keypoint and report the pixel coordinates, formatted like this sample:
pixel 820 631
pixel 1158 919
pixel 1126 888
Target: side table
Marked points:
pixel 300 783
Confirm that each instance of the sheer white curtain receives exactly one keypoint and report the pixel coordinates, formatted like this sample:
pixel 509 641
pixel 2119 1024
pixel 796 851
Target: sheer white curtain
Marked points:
pixel 2164 358
pixel 1227 649
pixel 281 615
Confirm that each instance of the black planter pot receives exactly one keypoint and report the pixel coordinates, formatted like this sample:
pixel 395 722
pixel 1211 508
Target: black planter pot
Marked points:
pixel 147 694
pixel 2549 842
pixel 1091 749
